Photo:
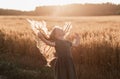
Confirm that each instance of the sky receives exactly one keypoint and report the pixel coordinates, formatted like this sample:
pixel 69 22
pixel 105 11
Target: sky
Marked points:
pixel 27 5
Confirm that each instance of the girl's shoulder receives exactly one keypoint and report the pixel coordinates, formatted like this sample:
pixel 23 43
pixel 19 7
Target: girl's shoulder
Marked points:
pixel 63 42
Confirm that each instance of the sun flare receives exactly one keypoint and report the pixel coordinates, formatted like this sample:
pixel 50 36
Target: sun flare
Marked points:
pixel 31 4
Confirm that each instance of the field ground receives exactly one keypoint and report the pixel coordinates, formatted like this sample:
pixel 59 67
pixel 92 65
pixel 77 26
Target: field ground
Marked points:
pixel 97 56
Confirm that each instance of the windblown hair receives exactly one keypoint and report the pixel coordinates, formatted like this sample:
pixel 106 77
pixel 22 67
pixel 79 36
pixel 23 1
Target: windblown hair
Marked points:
pixel 47 51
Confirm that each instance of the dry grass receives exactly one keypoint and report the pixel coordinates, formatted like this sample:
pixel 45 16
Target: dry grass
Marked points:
pixel 97 57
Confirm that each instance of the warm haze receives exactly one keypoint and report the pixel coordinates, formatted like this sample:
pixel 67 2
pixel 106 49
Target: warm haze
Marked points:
pixel 97 23
pixel 31 4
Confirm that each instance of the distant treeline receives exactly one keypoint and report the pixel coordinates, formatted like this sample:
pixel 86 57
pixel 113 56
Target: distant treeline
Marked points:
pixel 70 10
pixel 15 12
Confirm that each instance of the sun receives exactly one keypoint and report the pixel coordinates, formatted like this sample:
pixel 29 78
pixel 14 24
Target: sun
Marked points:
pixel 56 2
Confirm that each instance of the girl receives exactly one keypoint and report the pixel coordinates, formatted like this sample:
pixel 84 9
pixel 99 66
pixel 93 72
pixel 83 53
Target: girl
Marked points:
pixel 64 67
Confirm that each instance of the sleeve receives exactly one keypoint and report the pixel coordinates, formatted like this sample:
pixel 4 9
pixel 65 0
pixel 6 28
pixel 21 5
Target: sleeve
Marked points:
pixel 56 43
pixel 70 43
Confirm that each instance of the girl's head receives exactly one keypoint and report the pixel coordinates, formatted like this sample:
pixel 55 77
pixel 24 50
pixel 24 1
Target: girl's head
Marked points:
pixel 57 33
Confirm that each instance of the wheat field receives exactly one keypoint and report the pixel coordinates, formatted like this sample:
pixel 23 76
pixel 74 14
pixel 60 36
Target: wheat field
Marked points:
pixel 97 56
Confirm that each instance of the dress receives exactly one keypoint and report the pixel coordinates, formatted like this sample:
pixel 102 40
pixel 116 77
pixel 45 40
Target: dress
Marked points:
pixel 64 67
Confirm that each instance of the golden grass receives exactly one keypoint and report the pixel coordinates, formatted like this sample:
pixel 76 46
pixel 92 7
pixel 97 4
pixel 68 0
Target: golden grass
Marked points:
pixel 97 57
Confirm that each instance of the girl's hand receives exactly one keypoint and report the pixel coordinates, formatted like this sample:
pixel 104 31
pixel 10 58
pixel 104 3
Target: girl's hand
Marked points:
pixel 76 40
pixel 77 36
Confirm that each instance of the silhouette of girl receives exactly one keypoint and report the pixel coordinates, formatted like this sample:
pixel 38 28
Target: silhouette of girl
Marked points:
pixel 64 67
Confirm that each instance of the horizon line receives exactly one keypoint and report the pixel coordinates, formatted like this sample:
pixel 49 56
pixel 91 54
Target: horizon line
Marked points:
pixel 60 5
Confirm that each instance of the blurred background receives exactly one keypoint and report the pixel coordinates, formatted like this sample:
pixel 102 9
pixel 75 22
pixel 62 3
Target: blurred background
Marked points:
pixel 97 22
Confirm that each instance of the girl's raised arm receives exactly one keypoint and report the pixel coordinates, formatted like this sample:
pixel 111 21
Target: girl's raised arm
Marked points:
pixel 76 41
pixel 45 40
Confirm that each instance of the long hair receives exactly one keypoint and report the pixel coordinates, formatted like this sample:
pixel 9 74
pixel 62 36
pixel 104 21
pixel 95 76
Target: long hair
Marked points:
pixel 47 51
